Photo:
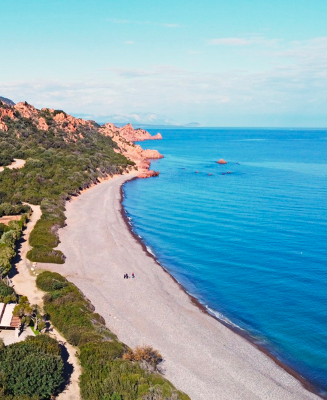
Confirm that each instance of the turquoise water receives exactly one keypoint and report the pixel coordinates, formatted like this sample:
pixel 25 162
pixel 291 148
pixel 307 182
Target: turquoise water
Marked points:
pixel 250 245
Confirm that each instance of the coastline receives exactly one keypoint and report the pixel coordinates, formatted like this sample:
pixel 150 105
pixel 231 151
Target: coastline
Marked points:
pixel 276 378
pixel 241 332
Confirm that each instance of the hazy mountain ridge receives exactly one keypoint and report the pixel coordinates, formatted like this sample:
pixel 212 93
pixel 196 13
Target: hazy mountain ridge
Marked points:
pixel 7 101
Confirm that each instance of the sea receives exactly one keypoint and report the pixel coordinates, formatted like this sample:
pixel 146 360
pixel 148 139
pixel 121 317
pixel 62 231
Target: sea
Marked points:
pixel 247 239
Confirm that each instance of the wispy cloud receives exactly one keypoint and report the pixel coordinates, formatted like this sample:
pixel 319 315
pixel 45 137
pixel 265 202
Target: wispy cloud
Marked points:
pixel 162 24
pixel 238 41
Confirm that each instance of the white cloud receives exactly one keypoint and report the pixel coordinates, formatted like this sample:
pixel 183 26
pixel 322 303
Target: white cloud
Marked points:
pixel 237 41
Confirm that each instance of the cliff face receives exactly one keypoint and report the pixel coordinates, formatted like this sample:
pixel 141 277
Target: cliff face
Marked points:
pixel 74 128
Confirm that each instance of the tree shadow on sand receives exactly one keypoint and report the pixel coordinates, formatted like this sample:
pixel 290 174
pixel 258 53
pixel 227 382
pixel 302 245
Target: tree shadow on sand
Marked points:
pixel 68 367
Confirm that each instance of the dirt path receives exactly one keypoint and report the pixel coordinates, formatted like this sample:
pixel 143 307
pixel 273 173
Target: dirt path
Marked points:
pixel 25 283
pixel 16 164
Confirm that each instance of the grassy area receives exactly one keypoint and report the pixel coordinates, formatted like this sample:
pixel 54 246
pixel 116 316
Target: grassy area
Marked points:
pixel 107 374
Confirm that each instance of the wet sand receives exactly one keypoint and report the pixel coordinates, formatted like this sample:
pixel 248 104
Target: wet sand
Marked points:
pixel 203 357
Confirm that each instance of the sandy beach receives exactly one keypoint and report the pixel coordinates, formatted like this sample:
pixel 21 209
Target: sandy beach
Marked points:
pixel 203 358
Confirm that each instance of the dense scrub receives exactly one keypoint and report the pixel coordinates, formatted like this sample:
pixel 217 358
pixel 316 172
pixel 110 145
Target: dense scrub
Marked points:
pixel 31 370
pixel 59 164
pixel 107 374
pixel 8 238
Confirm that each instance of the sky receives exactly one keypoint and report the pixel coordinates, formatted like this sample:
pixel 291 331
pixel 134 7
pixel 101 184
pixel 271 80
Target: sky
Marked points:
pixel 258 63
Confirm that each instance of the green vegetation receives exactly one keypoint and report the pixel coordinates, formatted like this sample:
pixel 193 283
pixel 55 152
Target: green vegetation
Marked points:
pixel 111 371
pixel 59 163
pixel 8 237
pixel 7 293
pixel 30 370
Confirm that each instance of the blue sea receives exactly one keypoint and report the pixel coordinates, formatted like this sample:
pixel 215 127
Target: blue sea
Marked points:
pixel 250 240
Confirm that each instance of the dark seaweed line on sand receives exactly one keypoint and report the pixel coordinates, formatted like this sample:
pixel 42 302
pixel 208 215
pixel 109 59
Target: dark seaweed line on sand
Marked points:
pixel 260 346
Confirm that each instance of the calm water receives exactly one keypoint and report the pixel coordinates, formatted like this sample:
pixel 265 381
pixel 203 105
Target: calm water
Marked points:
pixel 250 245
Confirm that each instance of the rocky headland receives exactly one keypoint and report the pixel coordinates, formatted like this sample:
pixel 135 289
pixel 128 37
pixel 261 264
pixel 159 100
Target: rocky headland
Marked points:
pixel 49 119
pixel 125 138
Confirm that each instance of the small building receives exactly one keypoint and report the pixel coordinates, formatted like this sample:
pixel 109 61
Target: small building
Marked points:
pixel 7 320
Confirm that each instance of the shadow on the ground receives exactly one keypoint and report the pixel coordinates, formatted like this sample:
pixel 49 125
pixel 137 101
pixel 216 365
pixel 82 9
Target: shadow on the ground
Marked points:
pixel 68 367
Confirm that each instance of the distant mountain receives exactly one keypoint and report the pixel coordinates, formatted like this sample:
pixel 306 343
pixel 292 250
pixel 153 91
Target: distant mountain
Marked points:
pixel 136 119
pixel 192 125
pixel 7 101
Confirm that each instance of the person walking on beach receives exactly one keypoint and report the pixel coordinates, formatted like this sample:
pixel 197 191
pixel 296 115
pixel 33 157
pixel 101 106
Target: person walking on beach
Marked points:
pixel 133 276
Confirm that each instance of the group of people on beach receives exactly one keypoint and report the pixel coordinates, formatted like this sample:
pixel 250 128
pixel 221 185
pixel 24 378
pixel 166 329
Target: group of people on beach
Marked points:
pixel 126 276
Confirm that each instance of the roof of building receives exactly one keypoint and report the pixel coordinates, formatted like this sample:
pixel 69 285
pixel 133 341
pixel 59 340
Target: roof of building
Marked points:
pixel 7 319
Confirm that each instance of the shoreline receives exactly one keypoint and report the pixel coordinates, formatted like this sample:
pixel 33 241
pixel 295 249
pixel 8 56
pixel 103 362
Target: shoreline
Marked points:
pixel 243 333
pixel 203 358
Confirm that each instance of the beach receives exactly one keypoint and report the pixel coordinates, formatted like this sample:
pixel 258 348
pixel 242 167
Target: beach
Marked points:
pixel 202 357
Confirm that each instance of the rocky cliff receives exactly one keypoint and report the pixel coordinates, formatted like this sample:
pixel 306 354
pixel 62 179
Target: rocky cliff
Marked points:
pixel 57 121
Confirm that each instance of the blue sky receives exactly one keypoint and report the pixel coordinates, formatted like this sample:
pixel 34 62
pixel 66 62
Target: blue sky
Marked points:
pixel 220 63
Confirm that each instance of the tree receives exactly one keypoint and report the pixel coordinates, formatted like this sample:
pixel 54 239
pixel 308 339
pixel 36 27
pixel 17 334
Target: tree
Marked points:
pixel 28 313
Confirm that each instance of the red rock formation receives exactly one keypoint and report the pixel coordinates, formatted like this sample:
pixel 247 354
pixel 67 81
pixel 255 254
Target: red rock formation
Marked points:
pixel 130 150
pixel 7 112
pixel 135 135
pixel 221 161
pixel 148 174
pixel 42 124
pixel 152 154
pixel 3 126
pixel 27 110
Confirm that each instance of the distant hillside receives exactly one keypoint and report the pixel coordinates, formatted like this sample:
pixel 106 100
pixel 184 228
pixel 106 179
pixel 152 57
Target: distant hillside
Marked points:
pixel 7 101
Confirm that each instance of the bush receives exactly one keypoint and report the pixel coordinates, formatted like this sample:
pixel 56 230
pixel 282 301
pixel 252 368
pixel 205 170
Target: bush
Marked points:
pixel 48 281
pixel 45 254
pixel 144 354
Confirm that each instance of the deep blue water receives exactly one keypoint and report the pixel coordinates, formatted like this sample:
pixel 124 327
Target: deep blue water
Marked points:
pixel 250 245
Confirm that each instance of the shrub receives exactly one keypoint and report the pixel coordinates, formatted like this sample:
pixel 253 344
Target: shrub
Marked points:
pixel 145 354
pixel 45 254
pixel 49 281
